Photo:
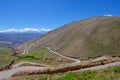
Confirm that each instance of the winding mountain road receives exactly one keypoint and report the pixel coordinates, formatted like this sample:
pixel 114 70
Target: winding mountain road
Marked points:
pixel 72 59
pixel 100 67
pixel 9 73
pixel 25 62
pixel 26 51
pixel 21 63
pixel 25 48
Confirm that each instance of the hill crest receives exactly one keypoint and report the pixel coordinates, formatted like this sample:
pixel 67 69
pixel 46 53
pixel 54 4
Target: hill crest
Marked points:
pixel 86 38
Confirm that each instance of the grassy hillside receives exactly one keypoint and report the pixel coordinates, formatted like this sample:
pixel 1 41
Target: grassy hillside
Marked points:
pixel 5 55
pixel 41 55
pixel 85 38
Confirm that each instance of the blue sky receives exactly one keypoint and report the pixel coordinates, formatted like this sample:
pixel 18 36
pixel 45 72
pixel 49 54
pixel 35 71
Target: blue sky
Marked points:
pixel 50 14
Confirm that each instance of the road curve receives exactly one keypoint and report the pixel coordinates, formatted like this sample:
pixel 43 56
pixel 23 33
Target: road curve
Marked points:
pixel 72 59
pixel 100 58
pixel 100 67
pixel 25 49
pixel 25 62
pixel 9 73
pixel 20 63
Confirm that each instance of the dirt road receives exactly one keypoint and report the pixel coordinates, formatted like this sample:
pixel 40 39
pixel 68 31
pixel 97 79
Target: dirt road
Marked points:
pixel 72 59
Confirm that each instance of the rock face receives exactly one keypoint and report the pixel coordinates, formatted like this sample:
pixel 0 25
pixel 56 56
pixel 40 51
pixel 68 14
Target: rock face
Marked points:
pixel 82 39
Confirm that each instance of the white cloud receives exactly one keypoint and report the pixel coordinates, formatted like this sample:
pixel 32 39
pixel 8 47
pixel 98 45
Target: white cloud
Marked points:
pixel 108 15
pixel 26 30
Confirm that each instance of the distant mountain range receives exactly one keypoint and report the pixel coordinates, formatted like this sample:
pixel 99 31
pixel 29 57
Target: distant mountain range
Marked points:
pixel 17 38
pixel 25 30
pixel 86 38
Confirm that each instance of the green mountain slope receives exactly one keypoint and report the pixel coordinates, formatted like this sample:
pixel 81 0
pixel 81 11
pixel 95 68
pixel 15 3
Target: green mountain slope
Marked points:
pixel 85 38
pixel 5 55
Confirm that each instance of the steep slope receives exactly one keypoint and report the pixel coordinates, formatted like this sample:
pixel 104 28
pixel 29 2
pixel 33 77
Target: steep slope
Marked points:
pixel 85 38
pixel 5 55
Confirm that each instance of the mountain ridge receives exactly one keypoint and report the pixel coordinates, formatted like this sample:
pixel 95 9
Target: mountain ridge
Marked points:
pixel 86 38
